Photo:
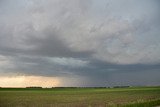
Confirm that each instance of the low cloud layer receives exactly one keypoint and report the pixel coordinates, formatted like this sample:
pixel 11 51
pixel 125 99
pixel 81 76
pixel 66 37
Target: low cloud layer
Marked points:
pixel 94 42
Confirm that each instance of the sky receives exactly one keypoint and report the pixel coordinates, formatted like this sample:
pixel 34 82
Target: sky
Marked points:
pixel 79 43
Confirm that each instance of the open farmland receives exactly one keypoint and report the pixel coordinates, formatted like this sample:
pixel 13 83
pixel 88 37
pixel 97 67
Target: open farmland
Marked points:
pixel 80 97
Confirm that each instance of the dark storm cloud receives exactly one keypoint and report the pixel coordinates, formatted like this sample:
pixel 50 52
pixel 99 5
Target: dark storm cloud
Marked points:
pixel 51 45
pixel 48 45
pixel 107 42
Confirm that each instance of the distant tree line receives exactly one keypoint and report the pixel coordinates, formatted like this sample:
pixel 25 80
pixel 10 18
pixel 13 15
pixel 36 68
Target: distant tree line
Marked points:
pixel 79 87
pixel 33 87
pixel 121 86
pixel 38 87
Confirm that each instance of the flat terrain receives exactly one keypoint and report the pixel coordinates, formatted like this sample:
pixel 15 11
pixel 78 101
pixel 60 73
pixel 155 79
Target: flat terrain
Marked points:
pixel 80 97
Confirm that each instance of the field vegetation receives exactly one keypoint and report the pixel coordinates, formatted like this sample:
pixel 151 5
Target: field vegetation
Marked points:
pixel 80 97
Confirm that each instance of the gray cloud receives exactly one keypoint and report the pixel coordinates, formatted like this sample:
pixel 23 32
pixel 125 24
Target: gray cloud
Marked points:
pixel 97 40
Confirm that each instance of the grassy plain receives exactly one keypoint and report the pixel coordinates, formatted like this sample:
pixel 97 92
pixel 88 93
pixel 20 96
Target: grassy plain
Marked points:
pixel 80 97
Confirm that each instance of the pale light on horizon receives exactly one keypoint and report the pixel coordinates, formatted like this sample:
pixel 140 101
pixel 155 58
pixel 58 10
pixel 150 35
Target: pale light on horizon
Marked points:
pixel 26 81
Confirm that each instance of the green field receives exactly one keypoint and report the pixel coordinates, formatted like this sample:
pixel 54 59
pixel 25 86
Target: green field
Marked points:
pixel 80 97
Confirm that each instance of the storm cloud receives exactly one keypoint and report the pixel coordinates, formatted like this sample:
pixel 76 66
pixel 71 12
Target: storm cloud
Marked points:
pixel 87 42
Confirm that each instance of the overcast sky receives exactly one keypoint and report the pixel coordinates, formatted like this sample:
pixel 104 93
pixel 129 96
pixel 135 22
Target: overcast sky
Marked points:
pixel 79 42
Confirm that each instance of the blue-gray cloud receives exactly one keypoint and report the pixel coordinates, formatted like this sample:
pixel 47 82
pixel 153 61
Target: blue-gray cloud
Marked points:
pixel 108 42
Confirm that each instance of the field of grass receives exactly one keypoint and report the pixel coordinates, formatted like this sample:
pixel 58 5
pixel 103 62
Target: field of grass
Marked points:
pixel 80 97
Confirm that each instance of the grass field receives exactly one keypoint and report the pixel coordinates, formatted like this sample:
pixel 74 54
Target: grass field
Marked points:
pixel 80 97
